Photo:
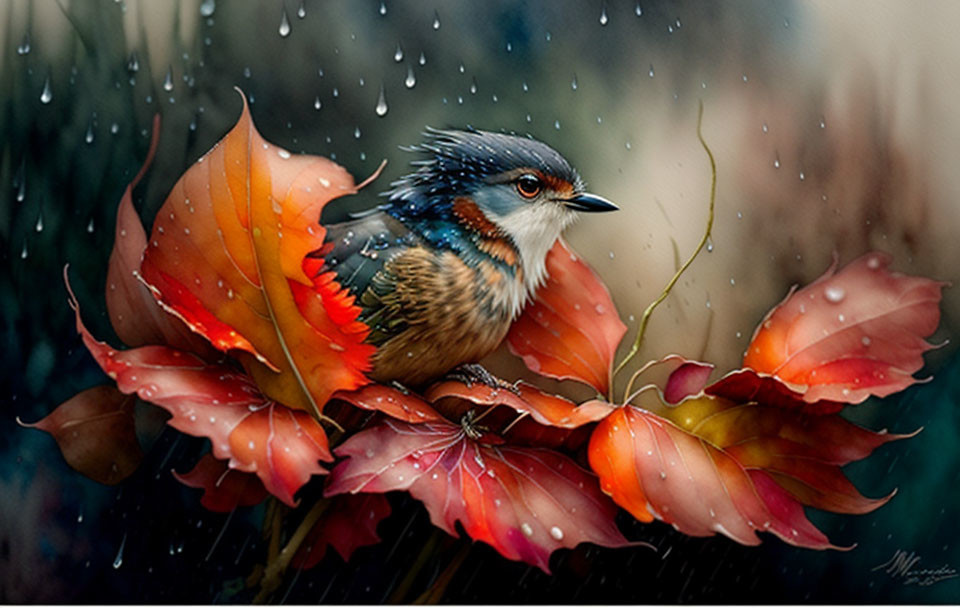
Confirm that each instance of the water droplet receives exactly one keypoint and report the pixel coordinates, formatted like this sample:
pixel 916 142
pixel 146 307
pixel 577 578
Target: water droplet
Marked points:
pixel 834 295
pixel 24 47
pixel 423 59
pixel 356 133
pixel 865 340
pixel 638 10
pixel 556 533
pixel 39 226
pixel 90 226
pixel 411 79
pixel 23 252
pixel 118 561
pixel 650 73
pixel 383 8
pixel 168 80
pixel 114 128
pixel 823 123
pixel 765 128
pixel 509 47
pixel 473 86
pixel 776 162
pixel 88 137
pixel 603 14
pixel 573 83
pixel 436 20
pixel 526 529
pixel 317 104
pixel 709 245
pixel 46 96
pixel 207 7
pixel 284 28
pixel 301 10
pixel 398 54
pixel 802 176
pixel 381 108
pixel 525 86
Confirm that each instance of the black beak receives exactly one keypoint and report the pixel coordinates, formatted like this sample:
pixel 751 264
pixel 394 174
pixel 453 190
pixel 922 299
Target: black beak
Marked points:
pixel 589 202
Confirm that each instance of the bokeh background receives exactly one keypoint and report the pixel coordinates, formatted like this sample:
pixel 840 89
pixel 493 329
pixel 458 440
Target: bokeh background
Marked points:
pixel 835 131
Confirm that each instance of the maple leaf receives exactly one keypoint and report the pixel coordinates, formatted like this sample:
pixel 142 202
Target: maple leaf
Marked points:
pixel 96 434
pixel 224 489
pixel 850 334
pixel 711 465
pixel 254 433
pixel 350 522
pixel 571 329
pixel 228 254
pixel 524 502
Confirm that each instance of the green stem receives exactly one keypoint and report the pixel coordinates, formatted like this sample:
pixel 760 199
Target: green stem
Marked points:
pixel 280 560
pixel 398 595
pixel 434 594
pixel 645 319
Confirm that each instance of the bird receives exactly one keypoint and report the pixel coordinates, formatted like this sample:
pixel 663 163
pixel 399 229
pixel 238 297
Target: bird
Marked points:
pixel 447 263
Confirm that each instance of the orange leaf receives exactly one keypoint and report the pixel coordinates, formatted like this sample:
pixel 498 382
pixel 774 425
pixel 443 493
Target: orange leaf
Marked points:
pixel 224 489
pixel 710 465
pixel 227 254
pixel 96 433
pixel 257 435
pixel 392 402
pixel 571 330
pixel 134 313
pixel 849 335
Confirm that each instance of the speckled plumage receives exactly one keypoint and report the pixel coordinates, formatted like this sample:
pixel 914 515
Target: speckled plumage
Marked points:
pixel 441 270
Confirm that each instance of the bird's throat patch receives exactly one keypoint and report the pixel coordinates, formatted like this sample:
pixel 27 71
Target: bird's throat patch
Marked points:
pixel 492 240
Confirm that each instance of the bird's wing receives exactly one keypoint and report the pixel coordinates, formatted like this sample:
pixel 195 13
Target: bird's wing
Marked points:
pixel 358 251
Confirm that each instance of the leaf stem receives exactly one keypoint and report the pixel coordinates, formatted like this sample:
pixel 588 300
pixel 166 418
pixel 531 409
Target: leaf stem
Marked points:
pixel 434 594
pixel 279 561
pixel 398 595
pixel 645 319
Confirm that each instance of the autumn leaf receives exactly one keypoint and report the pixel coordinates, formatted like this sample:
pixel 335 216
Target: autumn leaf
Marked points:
pixel 571 330
pixel 224 489
pixel 228 253
pixel 96 434
pixel 350 522
pixel 402 405
pixel 524 502
pixel 133 311
pixel 711 465
pixel 850 334
pixel 254 433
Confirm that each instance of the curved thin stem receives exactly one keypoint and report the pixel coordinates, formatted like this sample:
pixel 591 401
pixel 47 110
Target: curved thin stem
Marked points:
pixel 645 319
pixel 277 565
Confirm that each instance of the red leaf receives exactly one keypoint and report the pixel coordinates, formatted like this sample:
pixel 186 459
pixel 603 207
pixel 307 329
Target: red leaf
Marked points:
pixel 746 385
pixel 571 330
pixel 282 446
pixel 546 409
pixel 710 465
pixel 350 522
pixel 224 489
pixel 228 255
pixel 134 313
pixel 850 335
pixel 96 433
pixel 392 402
pixel 524 502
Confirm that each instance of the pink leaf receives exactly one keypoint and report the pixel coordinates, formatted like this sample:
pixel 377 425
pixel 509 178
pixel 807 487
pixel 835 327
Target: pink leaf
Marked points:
pixel 524 502
pixel 849 335
pixel 392 402
pixel 224 489
pixel 282 446
pixel 96 433
pixel 571 330
pixel 349 523
pixel 746 385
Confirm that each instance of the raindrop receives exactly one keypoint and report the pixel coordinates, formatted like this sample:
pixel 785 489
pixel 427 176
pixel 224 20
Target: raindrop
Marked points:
pixel 650 73
pixel 509 47
pixel 423 59
pixel 556 533
pixel 23 252
pixel 461 68
pixel 118 561
pixel 168 80
pixel 556 124
pixel 525 87
pixel 834 294
pixel 611 255
pixel 436 20
pixel 90 226
pixel 548 36
pixel 382 103
pixel 603 14
pixel 411 79
pixel 336 92
pixel 776 162
pixel 383 8
pixel 802 176
pixel 133 63
pixel 473 86
pixel 709 245
pixel 301 10
pixel 764 128
pixel 46 96
pixel 246 72
pixel 114 128
pixel 39 226
pixel 398 54
pixel 88 137
pixel 316 103
pixel 638 11
pixel 207 7
pixel 823 123
pixel 284 28
pixel 573 83
pixel 362 81
pixel 24 47
pixel 356 133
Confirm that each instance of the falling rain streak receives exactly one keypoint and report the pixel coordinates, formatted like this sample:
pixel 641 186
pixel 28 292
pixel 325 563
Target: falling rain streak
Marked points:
pixel 382 108
pixel 284 28
pixel 46 96
pixel 603 14
pixel 411 79
pixel 398 54
pixel 118 561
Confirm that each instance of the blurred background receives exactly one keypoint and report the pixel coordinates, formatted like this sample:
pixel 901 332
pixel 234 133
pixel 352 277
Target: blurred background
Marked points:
pixel 834 129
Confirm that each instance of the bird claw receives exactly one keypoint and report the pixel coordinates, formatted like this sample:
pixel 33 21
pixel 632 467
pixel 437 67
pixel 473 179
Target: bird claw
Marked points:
pixel 471 373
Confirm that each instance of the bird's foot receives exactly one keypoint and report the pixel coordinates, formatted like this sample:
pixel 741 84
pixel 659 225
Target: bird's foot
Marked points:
pixel 474 373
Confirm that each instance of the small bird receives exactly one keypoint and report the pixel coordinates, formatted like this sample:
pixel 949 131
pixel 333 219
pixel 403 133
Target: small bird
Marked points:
pixel 443 268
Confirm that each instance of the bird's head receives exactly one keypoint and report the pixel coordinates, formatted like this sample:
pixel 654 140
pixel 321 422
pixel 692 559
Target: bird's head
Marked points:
pixel 523 187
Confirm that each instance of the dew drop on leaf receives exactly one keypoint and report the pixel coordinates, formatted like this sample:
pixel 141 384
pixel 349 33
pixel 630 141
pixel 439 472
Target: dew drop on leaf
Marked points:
pixel 834 294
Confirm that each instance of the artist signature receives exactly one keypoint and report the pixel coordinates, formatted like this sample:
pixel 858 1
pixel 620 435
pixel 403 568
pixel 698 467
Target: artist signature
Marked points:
pixel 906 567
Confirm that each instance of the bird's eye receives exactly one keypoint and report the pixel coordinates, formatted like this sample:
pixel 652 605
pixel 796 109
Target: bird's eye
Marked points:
pixel 529 185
